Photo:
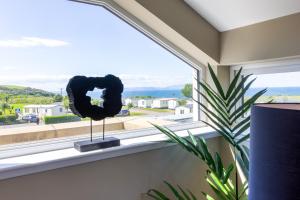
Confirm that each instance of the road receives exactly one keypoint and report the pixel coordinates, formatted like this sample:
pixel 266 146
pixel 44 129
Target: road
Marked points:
pixel 17 125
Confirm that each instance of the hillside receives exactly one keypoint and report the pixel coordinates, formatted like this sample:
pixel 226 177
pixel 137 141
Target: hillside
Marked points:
pixel 20 90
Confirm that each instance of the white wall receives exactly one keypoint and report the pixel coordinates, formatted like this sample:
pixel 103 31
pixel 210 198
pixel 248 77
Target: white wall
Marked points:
pixel 144 103
pixel 120 178
pixel 158 103
pixel 172 104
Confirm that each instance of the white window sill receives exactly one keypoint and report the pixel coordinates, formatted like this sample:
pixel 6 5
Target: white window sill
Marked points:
pixel 34 163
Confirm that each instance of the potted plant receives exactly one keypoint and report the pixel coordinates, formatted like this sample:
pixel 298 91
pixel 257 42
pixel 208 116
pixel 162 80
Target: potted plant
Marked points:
pixel 226 112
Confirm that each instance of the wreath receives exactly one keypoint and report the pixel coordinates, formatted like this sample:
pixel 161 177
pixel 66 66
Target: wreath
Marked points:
pixel 80 103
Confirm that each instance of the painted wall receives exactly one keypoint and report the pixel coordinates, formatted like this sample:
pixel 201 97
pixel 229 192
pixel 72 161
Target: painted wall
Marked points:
pixel 183 19
pixel 120 178
pixel 273 39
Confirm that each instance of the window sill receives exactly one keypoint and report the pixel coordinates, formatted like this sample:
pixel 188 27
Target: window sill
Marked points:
pixel 34 163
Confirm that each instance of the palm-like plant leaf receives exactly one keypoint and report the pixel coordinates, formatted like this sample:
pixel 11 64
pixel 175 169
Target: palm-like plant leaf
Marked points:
pixel 179 193
pixel 218 177
pixel 229 122
pixel 227 116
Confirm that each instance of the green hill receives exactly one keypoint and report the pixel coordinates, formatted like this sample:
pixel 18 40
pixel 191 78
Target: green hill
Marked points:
pixel 14 90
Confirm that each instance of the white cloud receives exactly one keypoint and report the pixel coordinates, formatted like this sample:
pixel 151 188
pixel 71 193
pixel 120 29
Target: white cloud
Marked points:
pixel 288 79
pixel 7 68
pixel 32 42
pixel 55 82
pixel 140 80
pixel 46 82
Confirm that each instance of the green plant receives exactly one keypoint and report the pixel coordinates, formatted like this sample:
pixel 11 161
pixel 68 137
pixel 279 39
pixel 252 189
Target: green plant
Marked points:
pixel 182 102
pixel 4 106
pixel 129 106
pixel 218 177
pixel 8 119
pixel 227 114
pixel 66 102
pixel 58 98
pixel 61 119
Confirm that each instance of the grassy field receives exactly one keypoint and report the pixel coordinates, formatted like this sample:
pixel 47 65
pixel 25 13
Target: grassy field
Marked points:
pixel 156 109
pixel 277 99
pixel 136 114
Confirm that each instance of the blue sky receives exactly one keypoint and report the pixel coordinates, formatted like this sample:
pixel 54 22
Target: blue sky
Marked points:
pixel 44 43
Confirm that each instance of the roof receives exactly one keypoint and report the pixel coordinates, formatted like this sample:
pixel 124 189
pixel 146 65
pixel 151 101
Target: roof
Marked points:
pixel 189 106
pixel 165 99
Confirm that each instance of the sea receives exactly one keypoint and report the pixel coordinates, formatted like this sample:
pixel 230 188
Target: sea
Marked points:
pixel 273 91
pixel 176 93
pixel 276 91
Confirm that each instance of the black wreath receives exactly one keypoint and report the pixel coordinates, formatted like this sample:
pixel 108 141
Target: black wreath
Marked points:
pixel 80 103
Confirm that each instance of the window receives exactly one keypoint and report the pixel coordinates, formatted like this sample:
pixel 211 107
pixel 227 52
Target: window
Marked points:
pixel 44 44
pixel 281 87
pixel 281 79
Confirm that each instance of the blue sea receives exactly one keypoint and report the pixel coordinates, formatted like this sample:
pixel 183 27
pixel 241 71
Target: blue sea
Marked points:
pixel 154 93
pixel 176 93
pixel 276 91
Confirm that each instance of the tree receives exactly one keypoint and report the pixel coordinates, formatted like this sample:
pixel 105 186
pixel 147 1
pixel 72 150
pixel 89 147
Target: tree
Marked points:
pixel 187 90
pixel 129 106
pixel 4 106
pixel 66 102
pixel 58 98
pixel 182 102
pixel 95 102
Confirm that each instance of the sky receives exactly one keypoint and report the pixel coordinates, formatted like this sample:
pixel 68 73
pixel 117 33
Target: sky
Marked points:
pixel 287 79
pixel 43 43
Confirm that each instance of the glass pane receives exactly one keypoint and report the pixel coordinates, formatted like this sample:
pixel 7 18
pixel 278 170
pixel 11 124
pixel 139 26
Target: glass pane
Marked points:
pixel 281 87
pixel 45 43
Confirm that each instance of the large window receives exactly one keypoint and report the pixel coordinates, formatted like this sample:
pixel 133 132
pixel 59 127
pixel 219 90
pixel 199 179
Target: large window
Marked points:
pixel 45 43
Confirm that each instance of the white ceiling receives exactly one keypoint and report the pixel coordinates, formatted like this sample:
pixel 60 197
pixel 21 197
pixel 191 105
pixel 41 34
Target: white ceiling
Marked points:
pixel 229 14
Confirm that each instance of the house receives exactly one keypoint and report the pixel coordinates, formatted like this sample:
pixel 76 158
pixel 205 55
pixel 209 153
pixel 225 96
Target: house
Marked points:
pixel 161 103
pixel 172 104
pixel 189 102
pixel 132 101
pixel 145 103
pixel 44 110
pixel 183 110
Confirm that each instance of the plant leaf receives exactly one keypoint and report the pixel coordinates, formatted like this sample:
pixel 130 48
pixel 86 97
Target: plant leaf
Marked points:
pixel 157 195
pixel 216 81
pixel 233 83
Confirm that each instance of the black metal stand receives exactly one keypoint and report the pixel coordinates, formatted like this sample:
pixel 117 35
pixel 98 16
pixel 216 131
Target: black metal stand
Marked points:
pixel 89 145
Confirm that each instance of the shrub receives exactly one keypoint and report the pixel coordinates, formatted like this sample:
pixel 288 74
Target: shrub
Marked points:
pixel 61 119
pixel 8 119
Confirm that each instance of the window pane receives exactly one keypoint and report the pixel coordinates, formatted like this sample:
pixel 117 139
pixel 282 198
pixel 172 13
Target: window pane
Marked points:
pixel 281 87
pixel 45 43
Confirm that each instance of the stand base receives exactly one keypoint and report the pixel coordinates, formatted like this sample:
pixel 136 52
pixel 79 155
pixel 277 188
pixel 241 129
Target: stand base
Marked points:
pixel 84 146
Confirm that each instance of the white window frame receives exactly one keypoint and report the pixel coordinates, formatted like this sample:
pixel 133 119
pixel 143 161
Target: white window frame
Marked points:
pixel 34 147
pixel 271 67
pixel 268 67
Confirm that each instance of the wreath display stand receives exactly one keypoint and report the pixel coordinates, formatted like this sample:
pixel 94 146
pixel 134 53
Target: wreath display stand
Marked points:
pixel 101 143
pixel 80 104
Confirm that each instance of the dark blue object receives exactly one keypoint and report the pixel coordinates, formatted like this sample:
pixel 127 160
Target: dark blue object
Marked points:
pixel 80 103
pixel 84 146
pixel 275 152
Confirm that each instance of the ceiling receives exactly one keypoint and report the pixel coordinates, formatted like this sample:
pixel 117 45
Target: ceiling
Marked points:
pixel 229 14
